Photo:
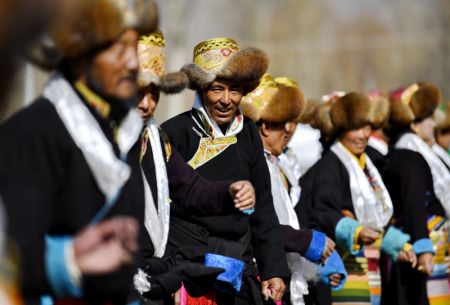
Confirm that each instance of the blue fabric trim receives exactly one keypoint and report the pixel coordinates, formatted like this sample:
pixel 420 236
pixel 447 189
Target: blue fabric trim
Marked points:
pixel 316 247
pixel 137 302
pixel 248 211
pixel 333 265
pixel 393 242
pixel 345 233
pixel 46 300
pixel 56 267
pixel 105 208
pixel 234 269
pixel 424 245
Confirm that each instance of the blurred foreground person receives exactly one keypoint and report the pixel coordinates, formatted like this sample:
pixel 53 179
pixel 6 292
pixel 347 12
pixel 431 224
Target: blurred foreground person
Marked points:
pixel 71 159
pixel 274 106
pixel 442 133
pixel 419 184
pixel 220 143
pixel 167 174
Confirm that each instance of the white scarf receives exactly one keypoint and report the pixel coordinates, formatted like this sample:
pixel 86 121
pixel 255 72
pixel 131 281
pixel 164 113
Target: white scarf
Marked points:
pixel 378 145
pixel 440 174
pixel 441 153
pixel 110 172
pixel 235 127
pixel 301 269
pixel 157 222
pixel 291 168
pixel 372 209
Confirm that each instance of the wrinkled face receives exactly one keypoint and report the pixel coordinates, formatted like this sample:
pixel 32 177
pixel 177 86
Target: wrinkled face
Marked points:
pixel 149 98
pixel 275 137
pixel 356 140
pixel 425 130
pixel 221 100
pixel 114 69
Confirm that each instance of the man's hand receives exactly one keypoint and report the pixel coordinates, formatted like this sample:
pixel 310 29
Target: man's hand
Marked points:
pixel 328 249
pixel 425 263
pixel 367 236
pixel 243 195
pixel 335 279
pixel 408 257
pixel 105 247
pixel 273 288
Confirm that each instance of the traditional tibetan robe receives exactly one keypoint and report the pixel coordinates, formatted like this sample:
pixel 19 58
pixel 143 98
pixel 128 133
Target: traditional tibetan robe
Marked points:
pixel 415 177
pixel 343 193
pixel 63 166
pixel 235 154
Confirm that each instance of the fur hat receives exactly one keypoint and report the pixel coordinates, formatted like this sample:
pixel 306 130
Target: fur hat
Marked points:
pixel 307 116
pixel 222 58
pixel 321 118
pixel 84 25
pixel 276 100
pixel 351 111
pixel 414 103
pixel 442 118
pixel 152 65
pixel 380 111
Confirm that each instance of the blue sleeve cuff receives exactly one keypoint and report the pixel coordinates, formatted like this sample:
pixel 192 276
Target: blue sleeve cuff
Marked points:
pixel 57 268
pixel 333 265
pixel 424 245
pixel 393 242
pixel 345 233
pixel 316 247
pixel 248 211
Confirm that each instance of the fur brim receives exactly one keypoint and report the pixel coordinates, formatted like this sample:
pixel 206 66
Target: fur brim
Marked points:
pixel 322 120
pixel 286 106
pixel 245 67
pixel 401 114
pixel 351 111
pixel 85 25
pixel 172 83
pixel 307 116
pixel 380 112
pixel 425 101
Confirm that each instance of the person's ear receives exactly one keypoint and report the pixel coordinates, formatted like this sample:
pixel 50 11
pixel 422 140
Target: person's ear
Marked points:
pixel 264 129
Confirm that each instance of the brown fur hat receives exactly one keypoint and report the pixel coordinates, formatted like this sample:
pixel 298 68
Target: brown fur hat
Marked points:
pixel 414 103
pixel 351 111
pixel 321 118
pixel 221 58
pixel 380 112
pixel 276 100
pixel 84 25
pixel 442 118
pixel 307 116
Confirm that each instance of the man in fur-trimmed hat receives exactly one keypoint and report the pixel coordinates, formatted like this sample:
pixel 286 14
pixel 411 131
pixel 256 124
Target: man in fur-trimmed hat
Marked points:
pixel 220 143
pixel 275 105
pixel 166 173
pixel 70 159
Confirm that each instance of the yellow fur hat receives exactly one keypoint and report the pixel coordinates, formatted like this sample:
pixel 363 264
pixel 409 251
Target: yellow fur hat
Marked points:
pixel 275 100
pixel 222 58
pixel 84 25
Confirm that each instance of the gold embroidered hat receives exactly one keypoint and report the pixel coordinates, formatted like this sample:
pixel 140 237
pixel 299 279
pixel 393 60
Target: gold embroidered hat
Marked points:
pixel 85 25
pixel 152 61
pixel 413 103
pixel 275 100
pixel 222 58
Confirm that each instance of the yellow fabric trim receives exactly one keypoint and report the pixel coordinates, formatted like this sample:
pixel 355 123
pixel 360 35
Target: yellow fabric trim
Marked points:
pixel 361 160
pixel 215 44
pixel 210 148
pixel 356 246
pixel 407 247
pixel 102 107
pixel 155 39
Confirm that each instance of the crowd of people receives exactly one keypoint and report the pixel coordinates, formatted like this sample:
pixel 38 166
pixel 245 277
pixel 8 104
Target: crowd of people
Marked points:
pixel 100 205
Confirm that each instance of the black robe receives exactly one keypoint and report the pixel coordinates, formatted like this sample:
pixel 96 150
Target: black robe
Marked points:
pixel 410 184
pixel 235 234
pixel 48 188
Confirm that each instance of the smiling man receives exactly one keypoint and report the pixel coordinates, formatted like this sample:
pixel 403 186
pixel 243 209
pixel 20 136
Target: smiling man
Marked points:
pixel 220 143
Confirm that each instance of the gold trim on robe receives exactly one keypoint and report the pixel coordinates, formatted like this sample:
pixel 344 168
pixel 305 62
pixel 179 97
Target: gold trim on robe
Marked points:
pixel 209 148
